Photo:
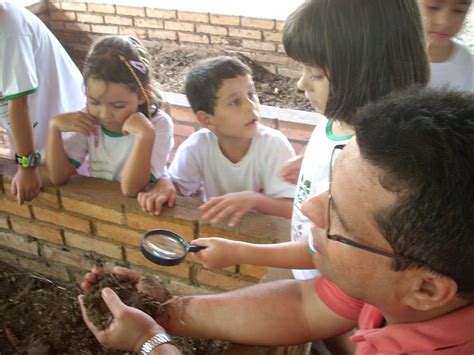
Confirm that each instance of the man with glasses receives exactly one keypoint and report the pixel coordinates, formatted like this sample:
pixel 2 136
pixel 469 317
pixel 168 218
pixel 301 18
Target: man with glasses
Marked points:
pixel 392 238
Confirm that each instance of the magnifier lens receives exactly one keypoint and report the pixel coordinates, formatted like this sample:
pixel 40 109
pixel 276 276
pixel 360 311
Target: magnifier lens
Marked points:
pixel 164 246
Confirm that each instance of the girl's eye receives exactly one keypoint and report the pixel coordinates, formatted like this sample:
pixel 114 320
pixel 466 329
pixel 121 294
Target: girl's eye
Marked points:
pixel 462 12
pixel 119 107
pixel 93 103
pixel 432 8
pixel 235 102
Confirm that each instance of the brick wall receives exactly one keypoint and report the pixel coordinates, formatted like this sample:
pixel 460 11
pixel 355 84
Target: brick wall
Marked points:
pixel 78 23
pixel 69 229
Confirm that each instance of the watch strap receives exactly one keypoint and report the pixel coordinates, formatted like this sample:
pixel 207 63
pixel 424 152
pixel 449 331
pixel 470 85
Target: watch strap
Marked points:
pixel 153 342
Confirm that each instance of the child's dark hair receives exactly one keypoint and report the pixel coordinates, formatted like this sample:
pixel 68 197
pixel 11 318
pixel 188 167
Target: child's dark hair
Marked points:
pixel 124 60
pixel 205 78
pixel 422 140
pixel 367 48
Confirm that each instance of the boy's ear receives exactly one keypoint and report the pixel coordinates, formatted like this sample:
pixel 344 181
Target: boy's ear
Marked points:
pixel 429 291
pixel 206 120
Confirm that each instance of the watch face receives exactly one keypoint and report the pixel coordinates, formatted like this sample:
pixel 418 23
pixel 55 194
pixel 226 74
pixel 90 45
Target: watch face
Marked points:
pixel 35 159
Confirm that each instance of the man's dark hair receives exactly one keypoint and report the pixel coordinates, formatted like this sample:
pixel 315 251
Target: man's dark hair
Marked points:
pixel 205 78
pixel 367 49
pixel 423 140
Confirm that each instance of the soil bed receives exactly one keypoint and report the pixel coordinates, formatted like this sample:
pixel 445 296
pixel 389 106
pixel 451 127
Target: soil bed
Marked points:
pixel 40 315
pixel 171 67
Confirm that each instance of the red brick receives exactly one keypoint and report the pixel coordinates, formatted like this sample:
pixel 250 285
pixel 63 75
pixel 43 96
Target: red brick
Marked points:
pixel 245 33
pixel 91 210
pixel 119 234
pixel 279 25
pixel 158 34
pixel 112 30
pixel 161 14
pixel 148 22
pixel 259 45
pixel 258 23
pixel 4 222
pixel 142 222
pixel 135 257
pixel 183 289
pixel 215 30
pixel 193 16
pixel 193 38
pixel 89 18
pixel 133 31
pixel 12 207
pixel 47 198
pixel 63 15
pixel 103 8
pixel 77 27
pixel 180 113
pixel 61 219
pixel 56 25
pixel 68 257
pixel 8 257
pixel 118 20
pixel 73 6
pixel 130 11
pixel 37 230
pixel 268 58
pixel 229 42
pixel 42 268
pixel 296 131
pixel 183 130
pixel 10 240
pixel 179 26
pixel 272 36
pixel 90 243
pixel 225 20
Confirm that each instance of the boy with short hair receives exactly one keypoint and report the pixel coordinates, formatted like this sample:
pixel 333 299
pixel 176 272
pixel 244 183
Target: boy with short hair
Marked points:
pixel 233 158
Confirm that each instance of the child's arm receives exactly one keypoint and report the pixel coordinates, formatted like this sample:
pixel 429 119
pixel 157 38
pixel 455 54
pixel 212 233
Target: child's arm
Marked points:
pixel 57 161
pixel 221 253
pixel 26 183
pixel 137 169
pixel 162 192
pixel 290 169
pixel 236 204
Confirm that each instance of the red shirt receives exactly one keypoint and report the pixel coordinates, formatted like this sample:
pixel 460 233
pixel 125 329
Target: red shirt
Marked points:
pixel 452 333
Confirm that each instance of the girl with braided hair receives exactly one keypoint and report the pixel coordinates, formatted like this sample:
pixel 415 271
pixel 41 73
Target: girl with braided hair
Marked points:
pixel 123 131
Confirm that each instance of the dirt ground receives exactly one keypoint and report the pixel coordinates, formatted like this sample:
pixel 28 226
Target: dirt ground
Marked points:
pixel 40 316
pixel 274 90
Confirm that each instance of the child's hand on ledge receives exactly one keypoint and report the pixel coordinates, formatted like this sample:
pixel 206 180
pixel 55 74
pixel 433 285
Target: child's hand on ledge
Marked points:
pixel 162 193
pixel 233 205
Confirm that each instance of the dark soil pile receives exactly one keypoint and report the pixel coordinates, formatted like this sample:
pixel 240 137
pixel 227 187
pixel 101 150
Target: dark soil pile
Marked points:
pixel 274 90
pixel 40 315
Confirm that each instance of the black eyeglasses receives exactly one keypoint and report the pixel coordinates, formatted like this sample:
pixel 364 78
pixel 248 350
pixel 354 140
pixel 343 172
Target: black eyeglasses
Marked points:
pixel 339 238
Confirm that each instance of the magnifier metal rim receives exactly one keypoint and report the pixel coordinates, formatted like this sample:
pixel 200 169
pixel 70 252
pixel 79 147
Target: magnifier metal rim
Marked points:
pixel 164 261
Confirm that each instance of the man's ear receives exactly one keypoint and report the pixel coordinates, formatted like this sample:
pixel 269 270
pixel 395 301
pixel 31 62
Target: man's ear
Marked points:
pixel 429 291
pixel 206 120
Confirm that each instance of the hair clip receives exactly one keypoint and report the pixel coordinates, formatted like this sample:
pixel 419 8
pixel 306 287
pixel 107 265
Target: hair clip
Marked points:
pixel 138 65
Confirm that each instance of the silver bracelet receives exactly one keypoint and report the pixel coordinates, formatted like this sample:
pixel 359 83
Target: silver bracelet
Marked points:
pixel 153 342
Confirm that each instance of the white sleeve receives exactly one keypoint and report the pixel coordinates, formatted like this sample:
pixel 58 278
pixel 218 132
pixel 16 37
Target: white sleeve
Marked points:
pixel 163 144
pixel 185 168
pixel 17 69
pixel 277 151
pixel 75 146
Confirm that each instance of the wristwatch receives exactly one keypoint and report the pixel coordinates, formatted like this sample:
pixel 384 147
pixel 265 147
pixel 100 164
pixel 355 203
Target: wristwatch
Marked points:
pixel 153 342
pixel 29 161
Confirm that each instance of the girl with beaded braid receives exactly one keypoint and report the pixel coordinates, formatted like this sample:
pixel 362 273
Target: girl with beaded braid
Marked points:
pixel 123 131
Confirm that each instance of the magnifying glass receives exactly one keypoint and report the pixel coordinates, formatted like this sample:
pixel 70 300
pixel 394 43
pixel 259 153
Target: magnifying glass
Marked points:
pixel 164 247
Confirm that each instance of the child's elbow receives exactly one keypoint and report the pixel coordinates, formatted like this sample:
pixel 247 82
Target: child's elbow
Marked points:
pixel 129 191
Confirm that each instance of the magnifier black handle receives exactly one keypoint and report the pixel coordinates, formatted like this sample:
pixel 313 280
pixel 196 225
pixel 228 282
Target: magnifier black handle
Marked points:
pixel 195 248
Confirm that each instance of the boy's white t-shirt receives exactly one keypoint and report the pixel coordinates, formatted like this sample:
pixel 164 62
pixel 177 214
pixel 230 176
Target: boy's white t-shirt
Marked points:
pixel 199 163
pixel 313 180
pixel 108 151
pixel 34 63
pixel 457 72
